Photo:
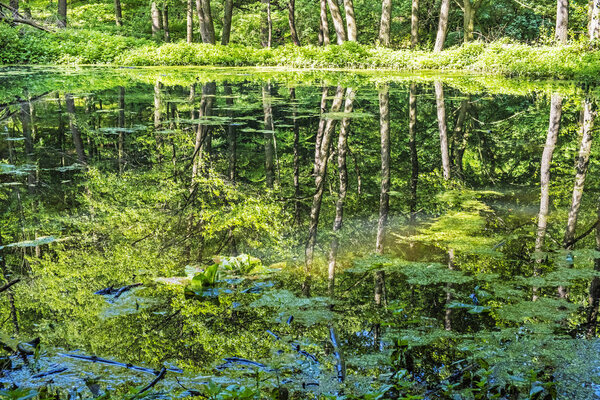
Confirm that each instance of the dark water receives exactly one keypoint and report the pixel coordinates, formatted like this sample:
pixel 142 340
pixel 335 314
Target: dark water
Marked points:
pixel 112 177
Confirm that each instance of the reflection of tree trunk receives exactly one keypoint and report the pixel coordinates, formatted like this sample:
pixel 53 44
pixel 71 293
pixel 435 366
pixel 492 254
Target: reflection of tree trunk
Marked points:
pixel 448 313
pixel 231 133
pixel 25 118
pixel 292 22
pixel 268 134
pixel 581 166
pixel 343 177
pixel 350 20
pixel 441 116
pixel 74 129
pixel 121 125
pixel 157 119
pixel 412 144
pixel 414 24
pixel 9 293
pixel 322 122
pixel 384 200
pixel 554 127
pixel 442 26
pixel 594 298
pixel 338 22
pixel 385 23
pixel 320 175
pixel 323 25
pixel 190 21
pixel 562 21
pixel 227 17
pixel 203 131
pixel 296 157
pixel 459 134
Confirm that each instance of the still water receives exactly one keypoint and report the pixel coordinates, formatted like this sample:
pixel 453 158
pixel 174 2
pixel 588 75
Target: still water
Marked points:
pixel 304 234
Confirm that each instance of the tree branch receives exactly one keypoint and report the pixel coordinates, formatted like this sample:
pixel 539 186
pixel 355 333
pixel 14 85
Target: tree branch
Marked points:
pixel 8 285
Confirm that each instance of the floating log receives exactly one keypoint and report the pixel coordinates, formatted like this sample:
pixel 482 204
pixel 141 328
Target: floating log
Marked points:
pixel 119 364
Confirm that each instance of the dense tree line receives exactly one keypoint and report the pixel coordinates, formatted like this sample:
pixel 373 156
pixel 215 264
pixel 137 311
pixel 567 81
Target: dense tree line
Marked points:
pixel 414 23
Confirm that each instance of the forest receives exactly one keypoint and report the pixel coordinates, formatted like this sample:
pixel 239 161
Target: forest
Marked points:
pixel 284 200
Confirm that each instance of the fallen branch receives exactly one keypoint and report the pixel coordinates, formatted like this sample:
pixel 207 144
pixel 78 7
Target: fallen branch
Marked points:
pixel 9 284
pixel 20 19
pixel 158 378
pixel 51 372
pixel 118 364
pixel 569 245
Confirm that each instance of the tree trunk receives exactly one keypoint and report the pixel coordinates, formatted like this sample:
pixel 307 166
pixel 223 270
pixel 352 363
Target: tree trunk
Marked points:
pixel 207 28
pixel 441 116
pixel 554 127
pixel 118 13
pixel 412 144
pixel 594 25
pixel 62 13
pixel 268 134
pixel 350 20
pixel 386 21
pixel 562 21
pixel 581 166
pixel 165 24
pixel 292 22
pixel 157 119
pixel 267 25
pixel 227 16
pixel 323 25
pixel 75 129
pixel 384 198
pixel 342 149
pixel 320 175
pixel 442 26
pixel 120 159
pixel 468 21
pixel 190 21
pixel 155 19
pixel 414 24
pixel 338 22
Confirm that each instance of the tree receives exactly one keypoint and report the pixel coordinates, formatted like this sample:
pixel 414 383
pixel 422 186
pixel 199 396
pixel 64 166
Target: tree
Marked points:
pixel 118 13
pixel 350 20
pixel 62 13
pixel 227 17
pixel 469 12
pixel 594 26
pixel 267 25
pixel 385 24
pixel 442 26
pixel 562 21
pixel 338 22
pixel 165 23
pixel 155 15
pixel 414 24
pixel 292 22
pixel 207 28
pixel 323 24
pixel 190 21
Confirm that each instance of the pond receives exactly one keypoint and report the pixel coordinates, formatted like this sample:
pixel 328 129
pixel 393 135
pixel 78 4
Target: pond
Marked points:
pixel 244 233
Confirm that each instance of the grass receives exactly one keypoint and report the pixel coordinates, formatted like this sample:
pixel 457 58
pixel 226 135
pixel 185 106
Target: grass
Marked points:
pixel 75 46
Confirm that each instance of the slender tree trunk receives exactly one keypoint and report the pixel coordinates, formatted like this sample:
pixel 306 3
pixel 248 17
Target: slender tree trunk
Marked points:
pixel 120 159
pixel 554 127
pixel 231 132
pixel 321 129
pixel 441 116
pixel 227 17
pixel 342 149
pixel 594 297
pixel 581 166
pixel 459 134
pixel 190 21
pixel 412 144
pixel 384 199
pixel 157 119
pixel 155 19
pixel 414 24
pixel 594 25
pixel 62 13
pixel 562 21
pixel 468 20
pixel 118 13
pixel 338 22
pixel 75 129
pixel 269 132
pixel 323 25
pixel 267 25
pixel 25 117
pixel 442 26
pixel 448 312
pixel 320 175
pixel 9 293
pixel 385 24
pixel 350 20
pixel 165 24
pixel 292 22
